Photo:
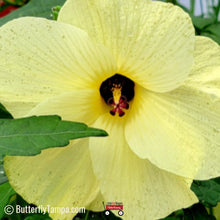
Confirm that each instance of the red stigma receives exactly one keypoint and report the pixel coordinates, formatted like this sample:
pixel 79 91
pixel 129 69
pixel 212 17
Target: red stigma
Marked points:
pixel 118 107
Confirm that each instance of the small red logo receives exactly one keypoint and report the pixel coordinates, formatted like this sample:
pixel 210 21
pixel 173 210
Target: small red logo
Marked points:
pixel 113 206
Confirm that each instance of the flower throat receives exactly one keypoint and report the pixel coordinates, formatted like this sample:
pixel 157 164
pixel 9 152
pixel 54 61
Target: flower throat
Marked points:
pixel 117 91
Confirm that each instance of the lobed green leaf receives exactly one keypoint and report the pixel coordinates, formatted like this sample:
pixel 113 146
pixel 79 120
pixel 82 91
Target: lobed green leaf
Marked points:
pixel 36 8
pixel 28 136
pixel 207 191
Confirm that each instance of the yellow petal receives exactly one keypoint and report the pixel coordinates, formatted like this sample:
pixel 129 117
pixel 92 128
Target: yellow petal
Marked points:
pixel 152 42
pixel 97 204
pixel 42 58
pixel 207 59
pixel 84 105
pixel 61 177
pixel 146 191
pixel 179 131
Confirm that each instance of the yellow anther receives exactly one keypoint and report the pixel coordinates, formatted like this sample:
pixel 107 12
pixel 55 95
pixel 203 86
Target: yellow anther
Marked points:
pixel 116 92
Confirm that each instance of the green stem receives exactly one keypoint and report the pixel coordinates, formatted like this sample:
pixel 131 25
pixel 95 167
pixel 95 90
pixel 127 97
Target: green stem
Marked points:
pixel 217 11
pixel 211 211
pixel 192 6
pixel 87 215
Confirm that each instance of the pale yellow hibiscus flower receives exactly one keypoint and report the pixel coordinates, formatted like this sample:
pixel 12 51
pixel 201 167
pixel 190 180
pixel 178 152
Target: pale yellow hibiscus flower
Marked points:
pixel 133 68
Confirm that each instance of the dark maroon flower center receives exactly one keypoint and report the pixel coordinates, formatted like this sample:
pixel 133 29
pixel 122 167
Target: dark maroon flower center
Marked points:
pixel 117 91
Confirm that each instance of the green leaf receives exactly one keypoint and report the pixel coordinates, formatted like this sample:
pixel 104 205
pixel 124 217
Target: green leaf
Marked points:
pixel 212 31
pixel 4 113
pixel 3 177
pixel 6 192
pixel 201 23
pixel 28 136
pixel 208 191
pixel 36 8
pixel 16 2
pixel 197 211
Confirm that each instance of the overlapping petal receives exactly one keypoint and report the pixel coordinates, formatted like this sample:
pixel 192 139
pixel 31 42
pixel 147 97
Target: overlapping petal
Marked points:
pixel 97 204
pixel 179 130
pixel 84 105
pixel 144 189
pixel 61 177
pixel 42 59
pixel 151 41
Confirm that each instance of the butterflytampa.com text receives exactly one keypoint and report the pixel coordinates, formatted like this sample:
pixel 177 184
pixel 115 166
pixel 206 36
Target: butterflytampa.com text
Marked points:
pixel 9 210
